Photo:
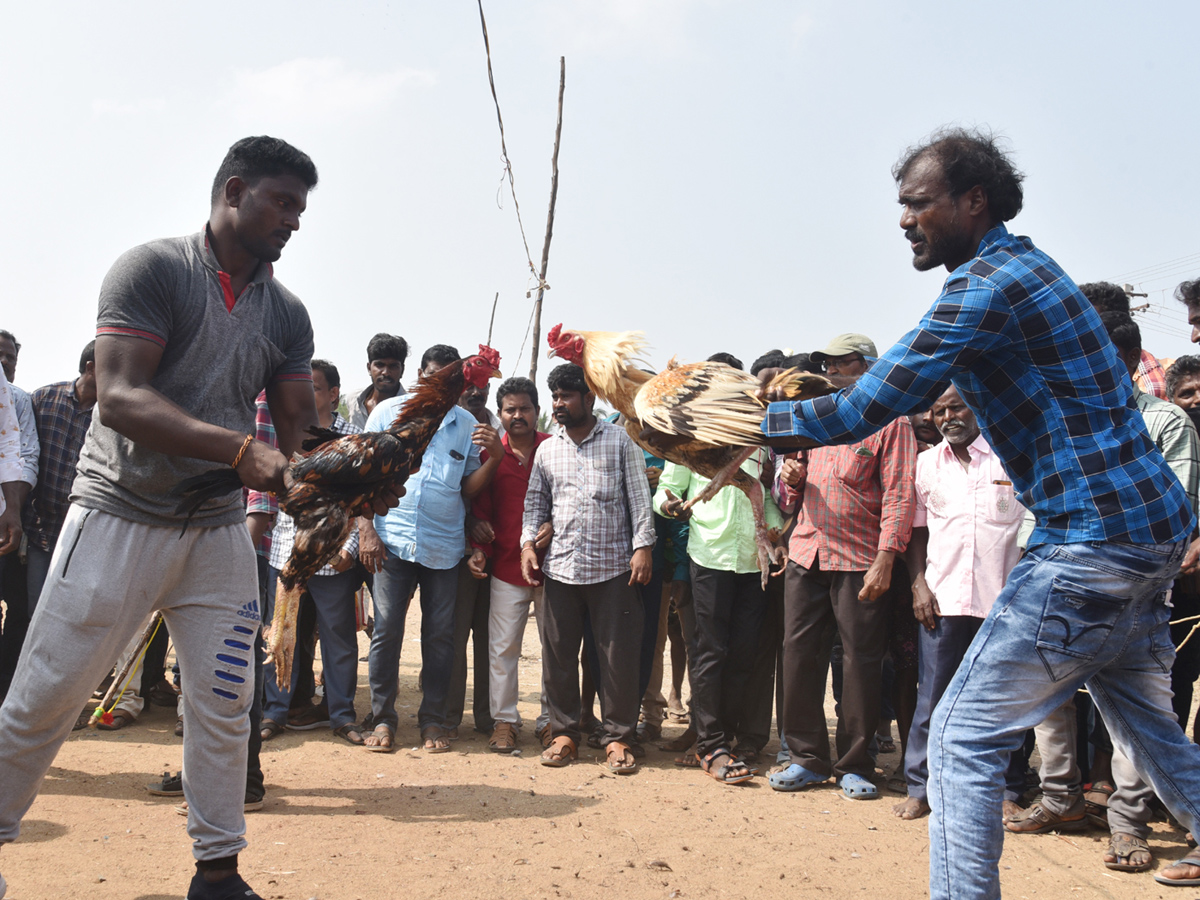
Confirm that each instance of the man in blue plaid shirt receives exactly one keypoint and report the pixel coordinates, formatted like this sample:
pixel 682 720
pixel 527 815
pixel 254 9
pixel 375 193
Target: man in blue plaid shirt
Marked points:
pixel 1088 603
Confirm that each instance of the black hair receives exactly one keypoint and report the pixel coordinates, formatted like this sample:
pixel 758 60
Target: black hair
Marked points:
pixel 772 359
pixel 329 370
pixel 87 356
pixel 516 385
pixel 1183 367
pixel 1106 296
pixel 388 346
pixel 728 358
pixel 1188 292
pixel 1122 330
pixel 254 158
pixel 12 337
pixel 970 157
pixel 802 361
pixel 567 377
pixel 442 354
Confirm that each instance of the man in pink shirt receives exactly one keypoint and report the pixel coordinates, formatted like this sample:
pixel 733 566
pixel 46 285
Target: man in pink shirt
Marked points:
pixel 964 544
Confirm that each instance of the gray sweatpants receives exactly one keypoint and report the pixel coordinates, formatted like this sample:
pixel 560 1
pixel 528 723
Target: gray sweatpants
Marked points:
pixel 106 577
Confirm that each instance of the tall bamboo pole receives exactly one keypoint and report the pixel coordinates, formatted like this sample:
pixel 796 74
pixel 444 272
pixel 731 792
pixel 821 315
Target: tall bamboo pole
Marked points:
pixel 537 306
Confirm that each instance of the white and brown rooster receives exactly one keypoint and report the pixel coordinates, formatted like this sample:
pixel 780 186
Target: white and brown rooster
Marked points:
pixel 705 416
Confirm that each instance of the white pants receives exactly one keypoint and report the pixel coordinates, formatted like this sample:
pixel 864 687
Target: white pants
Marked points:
pixel 506 630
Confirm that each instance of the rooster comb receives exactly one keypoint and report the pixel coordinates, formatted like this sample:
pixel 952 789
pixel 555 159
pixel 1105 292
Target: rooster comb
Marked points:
pixel 490 356
pixel 553 333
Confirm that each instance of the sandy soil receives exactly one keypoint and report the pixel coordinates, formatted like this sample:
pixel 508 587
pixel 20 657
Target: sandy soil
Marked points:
pixel 340 822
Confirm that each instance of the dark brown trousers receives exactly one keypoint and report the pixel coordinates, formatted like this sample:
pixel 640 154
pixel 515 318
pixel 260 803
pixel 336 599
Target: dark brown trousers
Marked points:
pixel 815 604
pixel 614 610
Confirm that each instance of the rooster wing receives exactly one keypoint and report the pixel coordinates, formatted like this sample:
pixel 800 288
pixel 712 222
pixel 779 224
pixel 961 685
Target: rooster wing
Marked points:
pixel 714 403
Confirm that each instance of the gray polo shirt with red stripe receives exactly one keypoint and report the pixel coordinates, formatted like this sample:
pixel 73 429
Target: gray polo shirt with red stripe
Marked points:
pixel 219 352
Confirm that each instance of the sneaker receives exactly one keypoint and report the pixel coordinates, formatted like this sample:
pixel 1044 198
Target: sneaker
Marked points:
pixel 169 786
pixel 3 887
pixel 315 716
pixel 231 888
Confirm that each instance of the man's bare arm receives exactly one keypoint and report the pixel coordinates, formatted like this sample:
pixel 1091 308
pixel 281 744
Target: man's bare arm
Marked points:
pixel 128 404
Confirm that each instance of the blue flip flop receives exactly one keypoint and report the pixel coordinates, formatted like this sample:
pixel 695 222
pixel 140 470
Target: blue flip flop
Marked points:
pixel 858 788
pixel 794 778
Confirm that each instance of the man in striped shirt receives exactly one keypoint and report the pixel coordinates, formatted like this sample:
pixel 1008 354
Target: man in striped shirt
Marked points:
pixel 856 517
pixel 589 482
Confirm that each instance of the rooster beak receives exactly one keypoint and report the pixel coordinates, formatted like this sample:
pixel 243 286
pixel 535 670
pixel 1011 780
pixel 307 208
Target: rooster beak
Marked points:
pixel 550 354
pixel 496 373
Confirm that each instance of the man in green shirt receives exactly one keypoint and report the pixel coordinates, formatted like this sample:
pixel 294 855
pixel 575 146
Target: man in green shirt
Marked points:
pixel 729 605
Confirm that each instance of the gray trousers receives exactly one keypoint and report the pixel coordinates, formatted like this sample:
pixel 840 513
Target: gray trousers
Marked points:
pixel 615 612
pixel 1062 782
pixel 1129 806
pixel 107 576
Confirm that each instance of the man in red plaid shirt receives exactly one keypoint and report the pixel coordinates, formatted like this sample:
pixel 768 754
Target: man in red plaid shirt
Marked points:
pixel 855 518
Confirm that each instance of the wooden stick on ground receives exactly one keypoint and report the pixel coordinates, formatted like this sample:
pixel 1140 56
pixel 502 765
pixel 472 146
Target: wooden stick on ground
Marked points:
pixel 537 306
pixel 134 658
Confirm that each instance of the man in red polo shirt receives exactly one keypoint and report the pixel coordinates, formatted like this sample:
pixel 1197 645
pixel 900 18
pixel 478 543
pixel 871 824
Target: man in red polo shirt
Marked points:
pixel 499 508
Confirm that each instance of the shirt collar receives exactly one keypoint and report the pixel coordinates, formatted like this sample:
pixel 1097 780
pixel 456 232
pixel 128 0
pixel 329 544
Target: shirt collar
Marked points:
pixel 264 272
pixel 978 448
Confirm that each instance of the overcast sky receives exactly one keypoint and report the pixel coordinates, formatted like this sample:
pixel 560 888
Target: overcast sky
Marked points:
pixel 725 166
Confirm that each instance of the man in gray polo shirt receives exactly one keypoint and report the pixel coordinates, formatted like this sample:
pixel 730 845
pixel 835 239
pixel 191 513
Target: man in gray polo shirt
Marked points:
pixel 189 331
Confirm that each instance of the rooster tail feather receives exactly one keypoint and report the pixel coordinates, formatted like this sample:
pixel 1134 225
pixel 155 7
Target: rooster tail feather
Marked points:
pixel 199 489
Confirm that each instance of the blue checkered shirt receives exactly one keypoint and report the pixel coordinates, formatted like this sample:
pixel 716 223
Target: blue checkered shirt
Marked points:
pixel 1031 359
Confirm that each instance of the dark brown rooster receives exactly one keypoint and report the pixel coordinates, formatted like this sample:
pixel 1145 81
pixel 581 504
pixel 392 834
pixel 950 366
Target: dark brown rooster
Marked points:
pixel 339 475
pixel 705 416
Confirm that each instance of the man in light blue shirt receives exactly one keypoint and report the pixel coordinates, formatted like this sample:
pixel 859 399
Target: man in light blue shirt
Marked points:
pixel 420 543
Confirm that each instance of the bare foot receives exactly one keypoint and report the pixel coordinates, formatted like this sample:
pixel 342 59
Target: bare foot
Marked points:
pixel 1010 810
pixel 911 808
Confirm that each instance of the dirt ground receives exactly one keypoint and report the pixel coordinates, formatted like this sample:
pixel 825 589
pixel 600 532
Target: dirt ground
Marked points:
pixel 340 822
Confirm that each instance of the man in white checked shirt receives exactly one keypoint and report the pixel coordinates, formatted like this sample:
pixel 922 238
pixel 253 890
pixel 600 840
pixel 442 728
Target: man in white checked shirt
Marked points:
pixel 589 482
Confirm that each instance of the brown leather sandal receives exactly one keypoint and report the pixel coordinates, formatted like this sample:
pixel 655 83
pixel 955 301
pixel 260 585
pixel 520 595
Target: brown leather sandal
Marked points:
pixel 620 758
pixel 560 752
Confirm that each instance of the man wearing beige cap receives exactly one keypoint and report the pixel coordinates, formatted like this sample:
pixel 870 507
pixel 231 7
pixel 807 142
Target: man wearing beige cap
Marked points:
pixel 846 351
pixel 856 518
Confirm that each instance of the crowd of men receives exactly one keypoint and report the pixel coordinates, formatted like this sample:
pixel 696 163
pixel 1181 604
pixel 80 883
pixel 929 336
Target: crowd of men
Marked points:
pixel 984 518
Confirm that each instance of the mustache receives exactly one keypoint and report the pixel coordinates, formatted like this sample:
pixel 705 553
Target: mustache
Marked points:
pixel 914 234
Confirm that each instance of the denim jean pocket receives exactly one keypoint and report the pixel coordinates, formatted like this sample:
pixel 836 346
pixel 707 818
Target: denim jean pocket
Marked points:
pixel 1076 624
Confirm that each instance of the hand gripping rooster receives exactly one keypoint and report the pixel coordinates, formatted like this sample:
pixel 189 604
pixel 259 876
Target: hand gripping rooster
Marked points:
pixel 705 416
pixel 336 478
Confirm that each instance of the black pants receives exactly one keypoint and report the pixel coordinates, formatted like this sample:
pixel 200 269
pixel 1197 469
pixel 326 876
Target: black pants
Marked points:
pixel 1186 669
pixel 815 604
pixel 729 610
pixel 614 611
pixel 763 698
pixel 472 606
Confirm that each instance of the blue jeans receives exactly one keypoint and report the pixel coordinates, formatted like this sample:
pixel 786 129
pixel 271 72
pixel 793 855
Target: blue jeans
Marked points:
pixel 1091 613
pixel 940 653
pixel 333 597
pixel 393 589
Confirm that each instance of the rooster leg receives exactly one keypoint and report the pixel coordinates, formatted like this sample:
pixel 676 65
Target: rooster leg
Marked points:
pixel 724 477
pixel 281 640
pixel 768 553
